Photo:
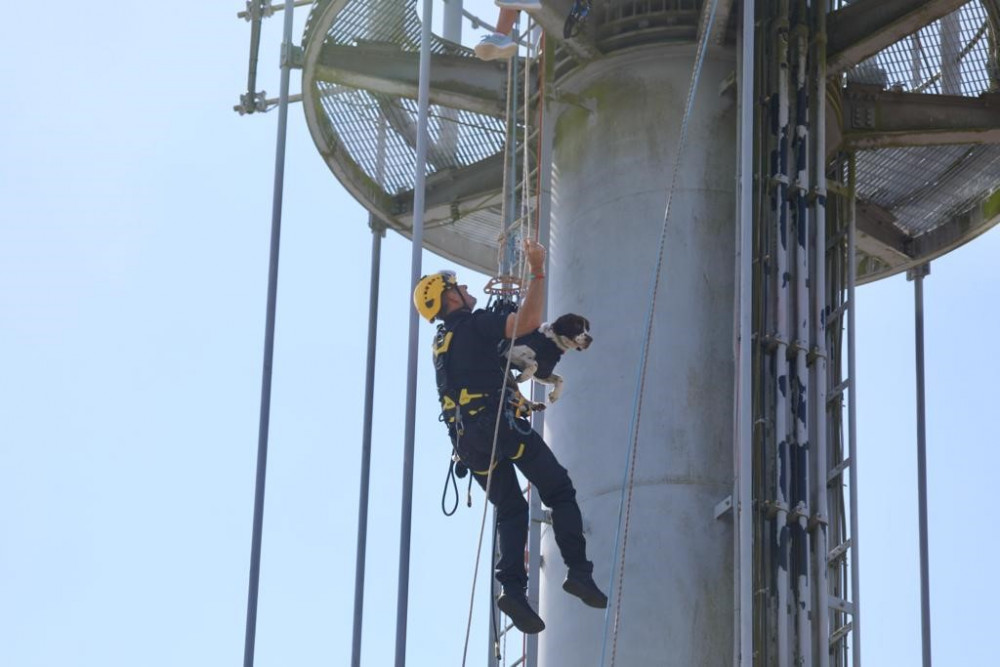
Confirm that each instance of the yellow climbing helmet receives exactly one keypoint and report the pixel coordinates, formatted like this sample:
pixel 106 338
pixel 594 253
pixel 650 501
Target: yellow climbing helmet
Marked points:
pixel 428 295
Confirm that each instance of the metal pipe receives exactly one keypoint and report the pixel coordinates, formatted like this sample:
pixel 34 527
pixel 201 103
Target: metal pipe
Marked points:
pixel 378 231
pixel 544 208
pixel 743 429
pixel 530 53
pixel 782 547
pixel 248 102
pixel 852 406
pixel 917 275
pixel 762 314
pixel 916 61
pixel 451 30
pixel 821 511
pixel 511 213
pixel 420 179
pixel 276 8
pixel 800 396
pixel 951 49
pixel 265 389
pixel 451 26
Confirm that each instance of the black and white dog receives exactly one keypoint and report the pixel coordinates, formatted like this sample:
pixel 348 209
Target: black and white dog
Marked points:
pixel 537 353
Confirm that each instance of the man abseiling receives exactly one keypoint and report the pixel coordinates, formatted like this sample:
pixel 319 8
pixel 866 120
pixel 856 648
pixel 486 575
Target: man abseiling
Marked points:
pixel 472 388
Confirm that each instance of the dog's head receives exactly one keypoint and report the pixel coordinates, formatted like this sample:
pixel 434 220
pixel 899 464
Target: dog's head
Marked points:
pixel 572 331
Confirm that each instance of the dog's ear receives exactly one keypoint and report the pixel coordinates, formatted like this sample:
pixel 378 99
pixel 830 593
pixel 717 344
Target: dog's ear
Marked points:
pixel 586 323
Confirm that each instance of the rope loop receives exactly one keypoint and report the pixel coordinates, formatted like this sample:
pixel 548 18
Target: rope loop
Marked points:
pixel 450 477
pixel 506 285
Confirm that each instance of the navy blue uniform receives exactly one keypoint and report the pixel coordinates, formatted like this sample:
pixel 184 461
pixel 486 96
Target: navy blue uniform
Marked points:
pixel 471 363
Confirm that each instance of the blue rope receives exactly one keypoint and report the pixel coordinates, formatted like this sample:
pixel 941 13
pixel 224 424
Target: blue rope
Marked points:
pixel 641 376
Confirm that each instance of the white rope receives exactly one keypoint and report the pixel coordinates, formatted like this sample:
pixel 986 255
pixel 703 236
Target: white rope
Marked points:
pixel 526 200
pixel 509 150
pixel 489 480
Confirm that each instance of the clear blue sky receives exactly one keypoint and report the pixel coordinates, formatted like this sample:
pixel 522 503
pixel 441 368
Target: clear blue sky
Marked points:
pixel 133 267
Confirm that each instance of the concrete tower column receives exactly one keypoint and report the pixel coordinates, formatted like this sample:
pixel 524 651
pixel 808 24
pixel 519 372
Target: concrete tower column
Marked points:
pixel 616 134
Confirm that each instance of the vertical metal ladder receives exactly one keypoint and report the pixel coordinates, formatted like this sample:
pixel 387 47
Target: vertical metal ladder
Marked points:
pixel 521 169
pixel 805 606
pixel 841 559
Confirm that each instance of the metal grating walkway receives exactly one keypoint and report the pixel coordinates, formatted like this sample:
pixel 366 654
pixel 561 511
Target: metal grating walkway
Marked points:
pixel 368 136
pixel 926 188
pixel 929 198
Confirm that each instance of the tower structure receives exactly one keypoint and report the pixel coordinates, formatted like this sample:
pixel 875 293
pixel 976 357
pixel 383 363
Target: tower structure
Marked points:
pixel 870 130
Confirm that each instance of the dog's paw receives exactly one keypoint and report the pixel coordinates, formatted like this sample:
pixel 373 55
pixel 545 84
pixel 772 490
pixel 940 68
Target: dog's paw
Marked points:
pixel 554 394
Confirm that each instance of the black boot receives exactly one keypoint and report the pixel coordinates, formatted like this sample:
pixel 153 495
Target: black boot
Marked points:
pixel 515 605
pixel 581 584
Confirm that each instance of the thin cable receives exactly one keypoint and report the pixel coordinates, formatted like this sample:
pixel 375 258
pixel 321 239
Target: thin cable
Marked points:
pixel 509 150
pixel 502 238
pixel 489 480
pixel 526 134
pixel 625 505
pixel 538 140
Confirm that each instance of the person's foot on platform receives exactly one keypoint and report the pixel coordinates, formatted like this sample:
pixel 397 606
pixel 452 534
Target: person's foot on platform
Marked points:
pixel 495 46
pixel 526 5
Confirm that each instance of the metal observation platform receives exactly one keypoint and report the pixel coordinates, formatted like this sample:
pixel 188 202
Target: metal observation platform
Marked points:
pixel 913 91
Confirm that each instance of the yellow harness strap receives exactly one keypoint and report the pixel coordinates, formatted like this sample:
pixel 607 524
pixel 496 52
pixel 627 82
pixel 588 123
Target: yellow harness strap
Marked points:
pixel 520 453
pixel 464 398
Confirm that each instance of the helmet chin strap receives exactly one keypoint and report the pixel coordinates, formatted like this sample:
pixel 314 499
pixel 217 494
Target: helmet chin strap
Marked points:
pixel 465 304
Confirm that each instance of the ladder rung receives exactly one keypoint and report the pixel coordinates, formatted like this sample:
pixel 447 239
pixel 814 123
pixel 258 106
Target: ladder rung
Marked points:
pixel 838 552
pixel 836 239
pixel 836 392
pixel 837 313
pixel 841 605
pixel 840 633
pixel 520 661
pixel 836 187
pixel 838 470
pixel 515 223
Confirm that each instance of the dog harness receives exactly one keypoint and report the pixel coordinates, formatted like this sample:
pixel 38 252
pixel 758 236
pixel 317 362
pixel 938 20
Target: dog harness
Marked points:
pixel 547 353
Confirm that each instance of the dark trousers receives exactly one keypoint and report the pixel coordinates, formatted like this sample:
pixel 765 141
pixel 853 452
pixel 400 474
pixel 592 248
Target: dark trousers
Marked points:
pixel 518 445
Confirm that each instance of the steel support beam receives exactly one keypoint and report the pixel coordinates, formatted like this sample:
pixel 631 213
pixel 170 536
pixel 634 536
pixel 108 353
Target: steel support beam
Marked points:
pixel 453 185
pixel 876 118
pixel 878 235
pixel 456 81
pixel 865 27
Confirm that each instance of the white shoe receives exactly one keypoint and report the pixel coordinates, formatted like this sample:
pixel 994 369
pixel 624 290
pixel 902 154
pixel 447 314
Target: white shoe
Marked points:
pixel 527 5
pixel 495 47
